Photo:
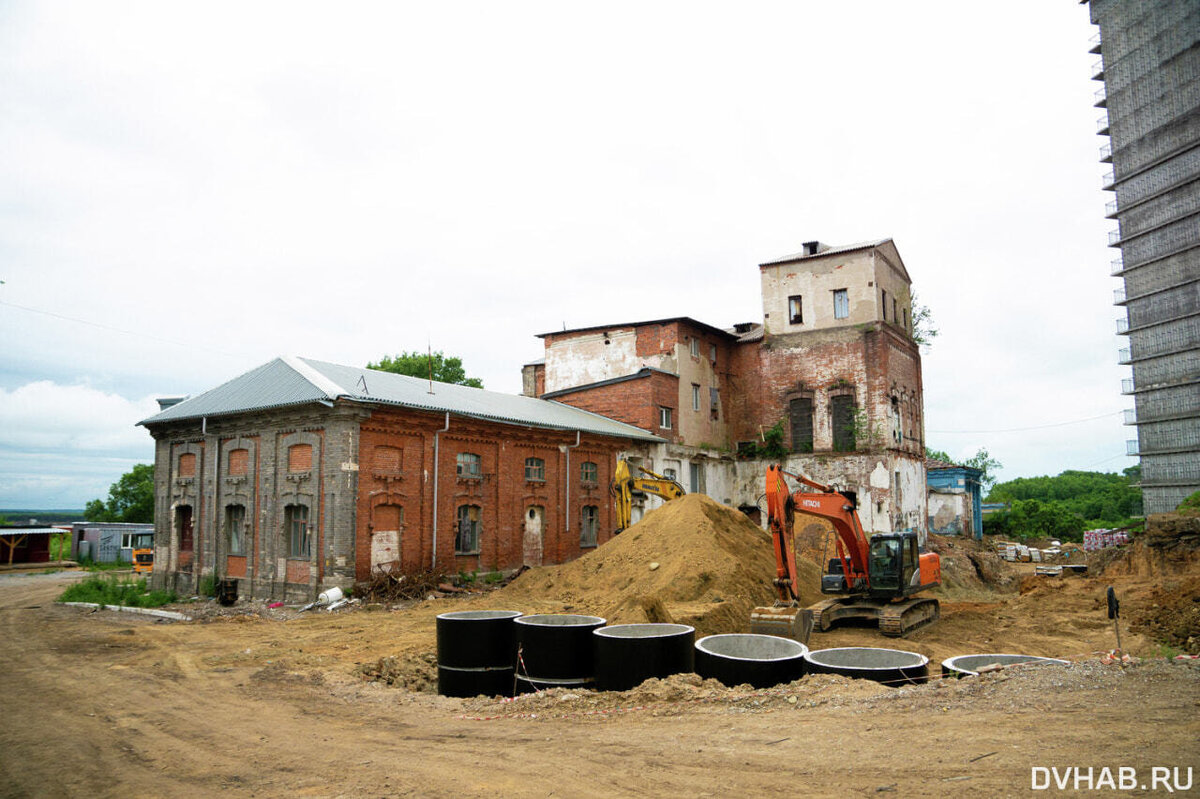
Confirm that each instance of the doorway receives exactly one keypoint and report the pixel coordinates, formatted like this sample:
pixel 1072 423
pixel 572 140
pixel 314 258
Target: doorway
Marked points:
pixel 535 517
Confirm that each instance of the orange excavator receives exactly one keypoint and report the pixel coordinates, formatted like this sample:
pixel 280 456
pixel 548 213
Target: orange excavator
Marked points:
pixel 874 578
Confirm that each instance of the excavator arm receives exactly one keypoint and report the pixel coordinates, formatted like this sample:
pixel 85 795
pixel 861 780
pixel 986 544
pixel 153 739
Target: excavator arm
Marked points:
pixel 625 486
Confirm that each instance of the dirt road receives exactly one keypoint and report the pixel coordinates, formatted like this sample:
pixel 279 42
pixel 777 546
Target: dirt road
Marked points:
pixel 107 704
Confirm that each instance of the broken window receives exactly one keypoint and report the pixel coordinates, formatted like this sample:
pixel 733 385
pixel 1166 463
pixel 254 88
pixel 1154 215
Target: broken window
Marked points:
pixel 468 465
pixel 897 426
pixel 842 411
pixel 589 472
pixel 796 309
pixel 535 470
pixel 695 397
pixel 664 418
pixel 800 411
pixel 841 304
pixel 670 473
pixel 235 527
pixel 589 525
pixel 714 403
pixel 885 306
pixel 467 529
pixel 295 522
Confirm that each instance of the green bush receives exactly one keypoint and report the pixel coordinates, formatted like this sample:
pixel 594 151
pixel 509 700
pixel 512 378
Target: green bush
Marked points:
pixel 1191 504
pixel 113 590
pixel 208 586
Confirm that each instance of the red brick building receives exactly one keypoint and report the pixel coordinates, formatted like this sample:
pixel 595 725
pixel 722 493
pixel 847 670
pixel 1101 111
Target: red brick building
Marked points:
pixel 300 475
pixel 833 362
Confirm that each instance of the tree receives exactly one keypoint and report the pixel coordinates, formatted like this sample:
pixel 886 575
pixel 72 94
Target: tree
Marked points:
pixel 417 364
pixel 923 331
pixel 938 455
pixel 130 499
pixel 984 462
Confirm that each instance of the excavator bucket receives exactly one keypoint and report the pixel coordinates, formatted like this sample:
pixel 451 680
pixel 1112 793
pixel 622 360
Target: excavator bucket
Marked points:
pixel 786 622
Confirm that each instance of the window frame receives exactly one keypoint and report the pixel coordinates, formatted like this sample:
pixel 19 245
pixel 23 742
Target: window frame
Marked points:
pixel 235 529
pixel 298 531
pixel 473 534
pixel 464 460
pixel 589 473
pixel 695 396
pixel 589 523
pixel 535 470
pixel 795 309
pixel 884 304
pixel 843 306
pixel 664 417
pixel 694 346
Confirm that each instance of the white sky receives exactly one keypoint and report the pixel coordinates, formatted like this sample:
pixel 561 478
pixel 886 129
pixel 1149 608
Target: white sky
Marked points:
pixel 229 182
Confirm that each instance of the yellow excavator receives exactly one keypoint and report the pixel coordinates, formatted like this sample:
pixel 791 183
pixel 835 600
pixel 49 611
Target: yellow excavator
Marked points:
pixel 625 488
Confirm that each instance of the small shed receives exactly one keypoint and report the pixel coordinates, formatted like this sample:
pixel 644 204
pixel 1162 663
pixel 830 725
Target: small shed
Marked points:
pixel 110 542
pixel 955 498
pixel 25 544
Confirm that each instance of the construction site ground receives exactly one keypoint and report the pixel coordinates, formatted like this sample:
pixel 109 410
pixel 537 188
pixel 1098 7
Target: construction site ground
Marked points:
pixel 254 701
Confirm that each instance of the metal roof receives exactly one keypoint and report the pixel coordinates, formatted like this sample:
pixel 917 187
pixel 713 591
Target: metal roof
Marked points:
pixel 862 245
pixel 645 371
pixel 617 326
pixel 294 381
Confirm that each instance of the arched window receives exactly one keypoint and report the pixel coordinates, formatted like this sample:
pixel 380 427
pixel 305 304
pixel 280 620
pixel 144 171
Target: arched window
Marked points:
pixel 535 470
pixel 235 527
pixel 468 465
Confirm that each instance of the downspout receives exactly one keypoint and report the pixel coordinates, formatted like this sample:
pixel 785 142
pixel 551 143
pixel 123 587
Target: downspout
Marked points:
pixel 567 482
pixel 433 561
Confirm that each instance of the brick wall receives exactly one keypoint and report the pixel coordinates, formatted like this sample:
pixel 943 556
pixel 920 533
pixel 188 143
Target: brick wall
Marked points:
pixel 636 402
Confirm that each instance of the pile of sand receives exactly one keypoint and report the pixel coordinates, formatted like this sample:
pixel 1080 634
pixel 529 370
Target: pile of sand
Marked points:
pixel 692 561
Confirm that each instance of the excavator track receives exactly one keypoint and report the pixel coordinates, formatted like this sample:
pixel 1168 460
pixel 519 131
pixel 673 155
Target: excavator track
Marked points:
pixel 898 619
pixel 821 615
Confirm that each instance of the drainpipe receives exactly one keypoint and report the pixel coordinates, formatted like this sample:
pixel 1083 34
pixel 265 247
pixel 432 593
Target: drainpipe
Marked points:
pixel 567 481
pixel 433 561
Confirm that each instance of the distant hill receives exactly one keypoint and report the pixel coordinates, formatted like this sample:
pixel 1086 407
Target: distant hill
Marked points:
pixel 52 516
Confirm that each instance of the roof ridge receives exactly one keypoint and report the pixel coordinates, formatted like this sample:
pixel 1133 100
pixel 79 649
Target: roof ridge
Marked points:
pixel 330 389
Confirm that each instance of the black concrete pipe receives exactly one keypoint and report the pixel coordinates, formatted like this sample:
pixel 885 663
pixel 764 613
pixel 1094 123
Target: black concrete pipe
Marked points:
pixel 555 650
pixel 475 652
pixel 969 665
pixel 887 666
pixel 629 654
pixel 760 660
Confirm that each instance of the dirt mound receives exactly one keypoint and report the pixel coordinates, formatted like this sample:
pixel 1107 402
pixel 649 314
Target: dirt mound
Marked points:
pixel 692 561
pixel 970 568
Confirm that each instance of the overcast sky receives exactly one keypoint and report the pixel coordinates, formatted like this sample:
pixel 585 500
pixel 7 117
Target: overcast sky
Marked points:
pixel 189 190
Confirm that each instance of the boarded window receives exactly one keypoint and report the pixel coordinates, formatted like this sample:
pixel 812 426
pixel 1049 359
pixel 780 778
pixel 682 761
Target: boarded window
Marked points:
pixel 387 459
pixel 300 458
pixel 842 411
pixel 589 525
pixel 796 310
pixel 235 528
pixel 239 462
pixel 468 465
pixel 187 465
pixel 468 528
pixel 297 530
pixel 589 472
pixel 841 304
pixel 535 469
pixel 800 413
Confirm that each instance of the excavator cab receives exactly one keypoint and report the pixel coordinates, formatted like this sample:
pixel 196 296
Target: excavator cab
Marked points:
pixel 894 564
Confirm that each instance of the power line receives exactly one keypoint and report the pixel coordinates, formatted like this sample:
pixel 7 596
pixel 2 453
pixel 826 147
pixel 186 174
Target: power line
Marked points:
pixel 102 326
pixel 1036 427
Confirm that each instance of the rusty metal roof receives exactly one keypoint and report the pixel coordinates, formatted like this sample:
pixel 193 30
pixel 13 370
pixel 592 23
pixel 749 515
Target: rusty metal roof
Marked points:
pixel 286 382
